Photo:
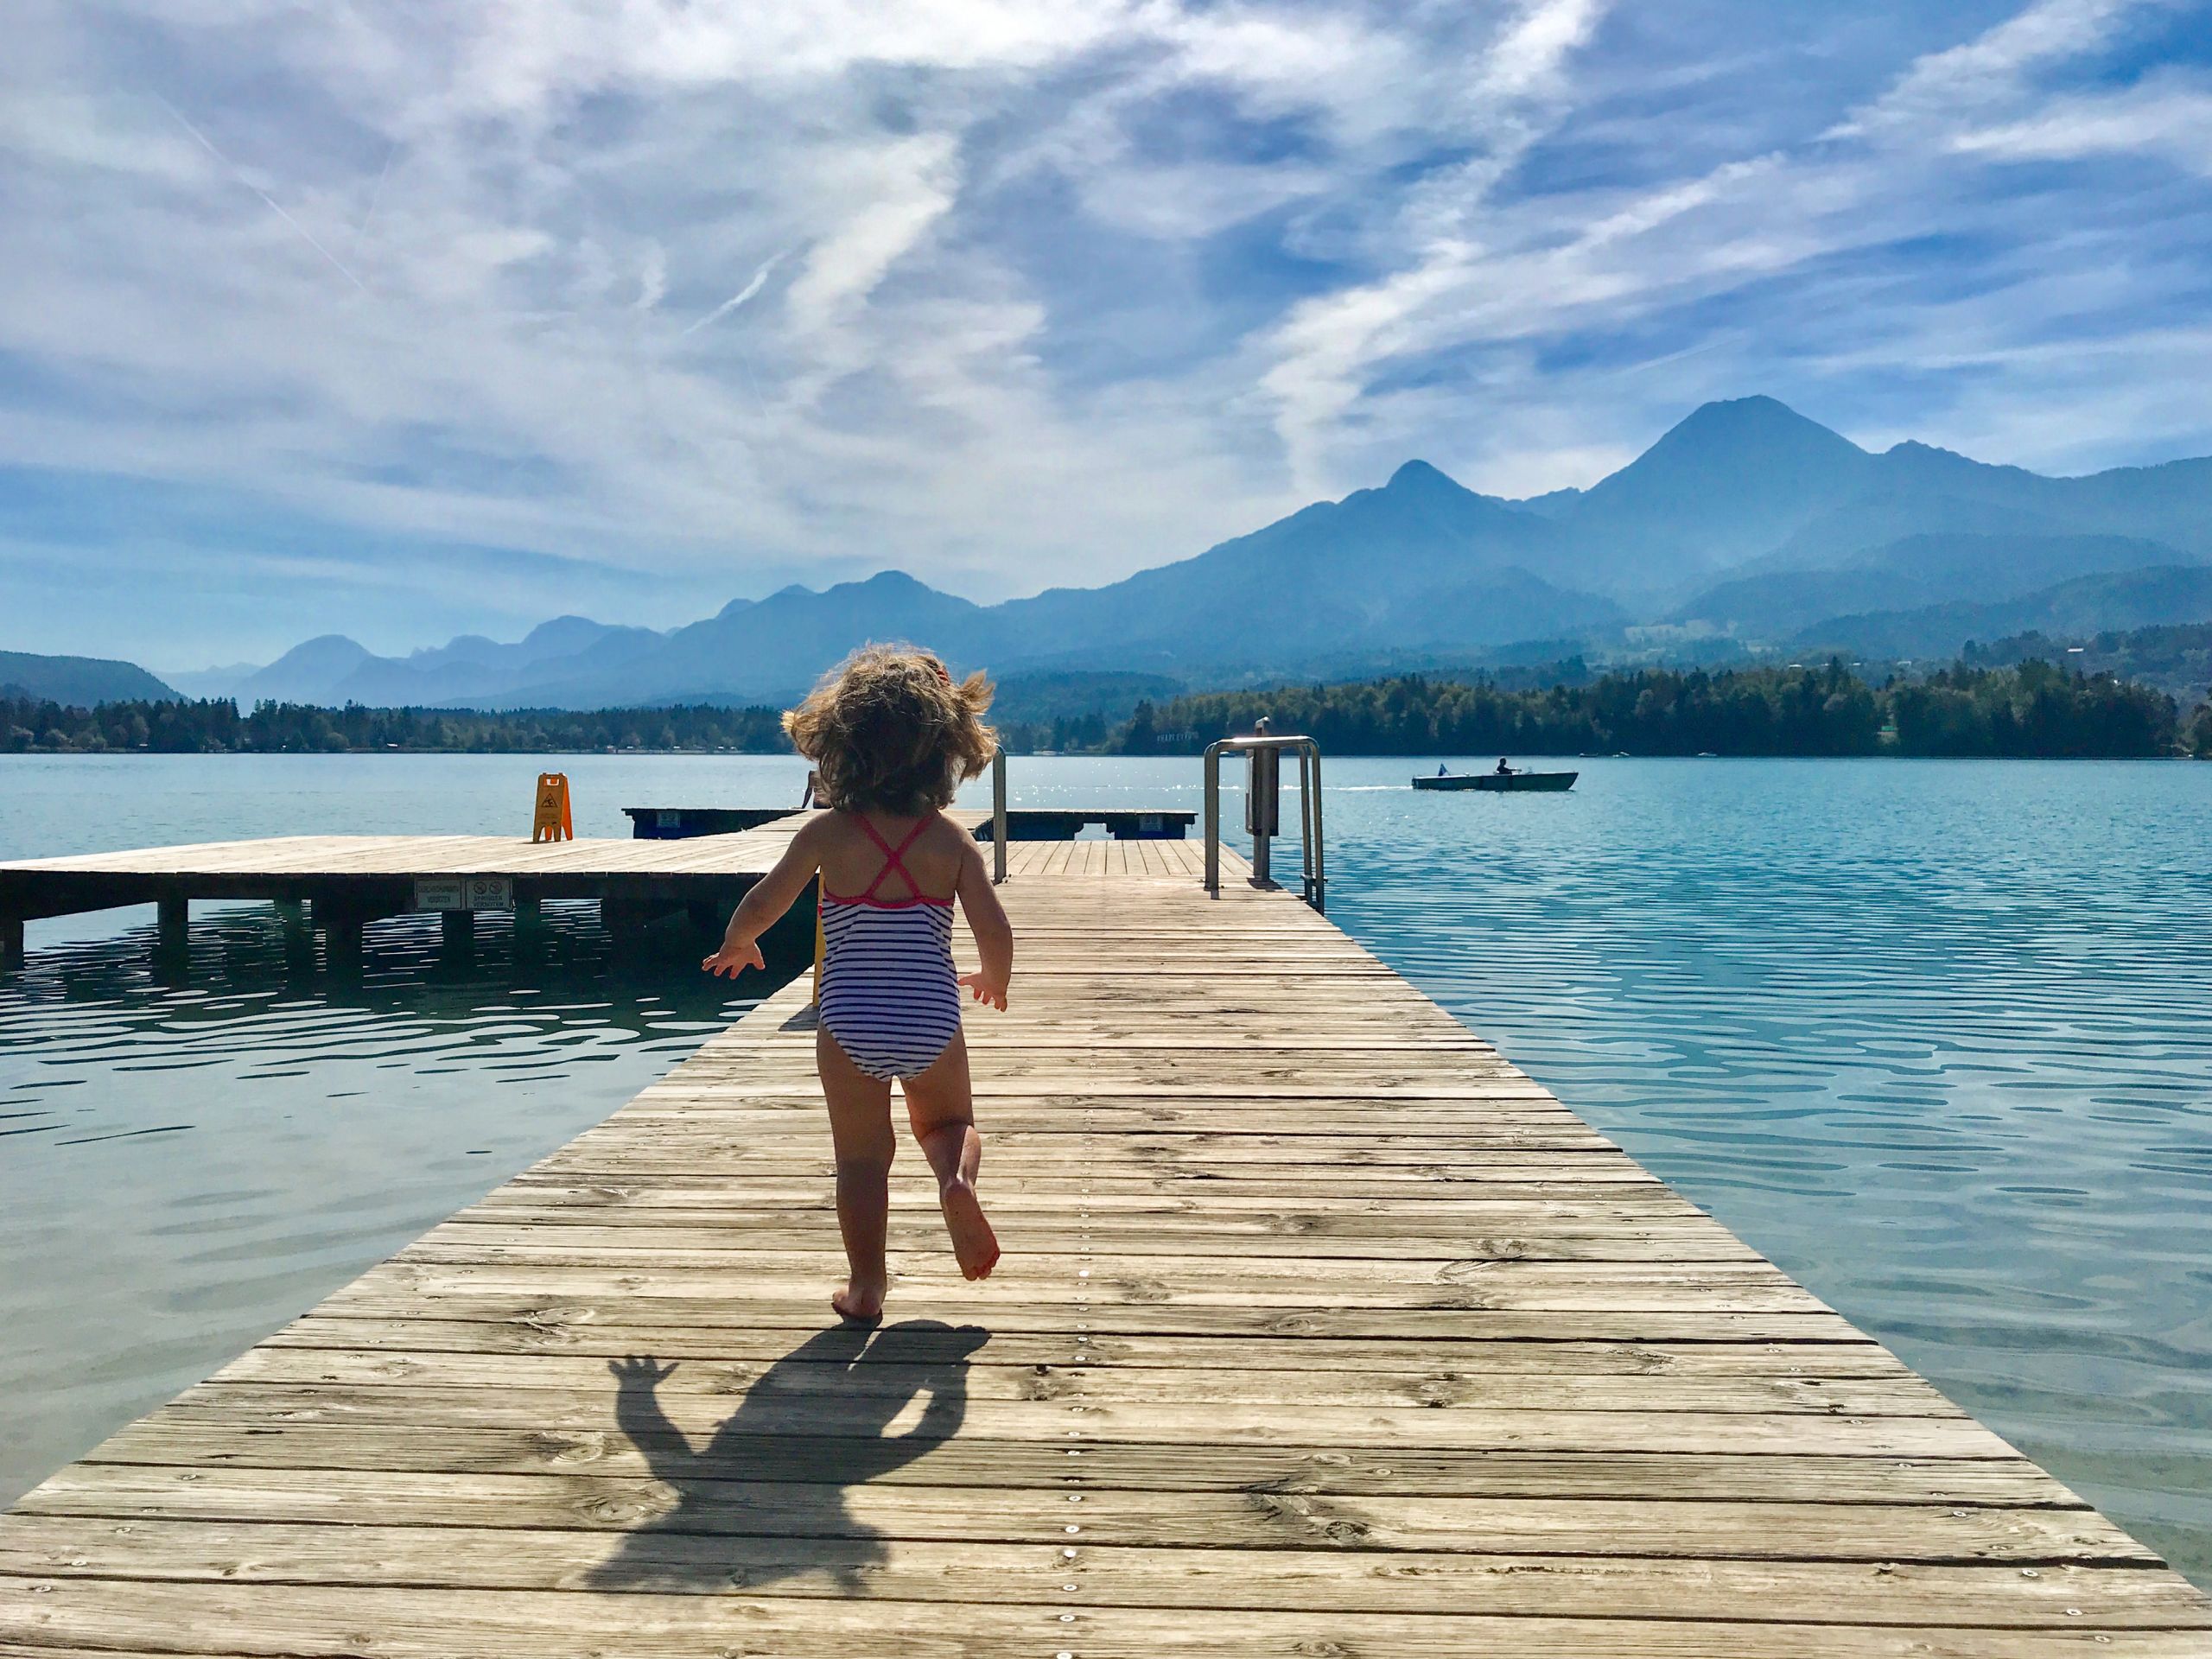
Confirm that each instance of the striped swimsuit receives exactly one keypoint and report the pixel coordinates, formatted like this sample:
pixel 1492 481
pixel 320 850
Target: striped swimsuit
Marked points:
pixel 888 994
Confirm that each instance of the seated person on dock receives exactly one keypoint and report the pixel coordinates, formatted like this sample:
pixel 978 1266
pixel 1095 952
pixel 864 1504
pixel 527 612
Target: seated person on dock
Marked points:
pixel 892 737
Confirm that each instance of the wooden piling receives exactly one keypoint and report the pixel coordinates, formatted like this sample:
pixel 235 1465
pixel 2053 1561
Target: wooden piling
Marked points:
pixel 172 928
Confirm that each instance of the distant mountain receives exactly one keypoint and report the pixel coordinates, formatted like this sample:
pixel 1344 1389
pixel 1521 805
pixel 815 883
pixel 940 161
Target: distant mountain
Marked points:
pixel 1745 526
pixel 1916 571
pixel 311 672
pixel 81 682
pixel 473 669
pixel 468 670
pixel 2086 606
pixel 1419 561
pixel 1728 484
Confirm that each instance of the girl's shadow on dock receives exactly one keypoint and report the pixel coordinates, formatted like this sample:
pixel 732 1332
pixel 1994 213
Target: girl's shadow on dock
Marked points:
pixel 766 1499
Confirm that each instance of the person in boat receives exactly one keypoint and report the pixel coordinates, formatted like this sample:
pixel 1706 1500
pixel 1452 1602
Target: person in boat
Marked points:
pixel 1503 770
pixel 1442 770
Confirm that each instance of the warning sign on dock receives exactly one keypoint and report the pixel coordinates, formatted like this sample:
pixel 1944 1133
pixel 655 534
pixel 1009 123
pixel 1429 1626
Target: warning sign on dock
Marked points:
pixel 551 821
pixel 464 893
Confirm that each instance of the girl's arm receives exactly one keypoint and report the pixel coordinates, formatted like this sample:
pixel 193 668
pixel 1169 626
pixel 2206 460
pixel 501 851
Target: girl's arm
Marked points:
pixel 765 903
pixel 979 901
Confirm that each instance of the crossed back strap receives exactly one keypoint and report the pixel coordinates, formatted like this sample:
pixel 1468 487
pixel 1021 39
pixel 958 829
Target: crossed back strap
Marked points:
pixel 893 858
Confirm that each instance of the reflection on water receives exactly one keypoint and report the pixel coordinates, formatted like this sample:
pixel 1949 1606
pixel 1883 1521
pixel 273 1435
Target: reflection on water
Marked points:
pixel 192 1158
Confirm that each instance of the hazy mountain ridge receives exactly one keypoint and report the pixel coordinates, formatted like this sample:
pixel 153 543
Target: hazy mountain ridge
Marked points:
pixel 2074 610
pixel 1746 522
pixel 80 681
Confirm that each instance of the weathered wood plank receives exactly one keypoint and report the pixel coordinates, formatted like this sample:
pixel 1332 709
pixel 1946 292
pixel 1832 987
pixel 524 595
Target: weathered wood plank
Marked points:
pixel 680 1497
pixel 283 1622
pixel 648 1555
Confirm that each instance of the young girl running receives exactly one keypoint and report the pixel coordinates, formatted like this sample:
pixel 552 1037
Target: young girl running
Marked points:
pixel 892 737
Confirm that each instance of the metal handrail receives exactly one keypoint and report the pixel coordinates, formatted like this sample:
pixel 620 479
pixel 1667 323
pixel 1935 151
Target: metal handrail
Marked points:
pixel 1309 809
pixel 998 817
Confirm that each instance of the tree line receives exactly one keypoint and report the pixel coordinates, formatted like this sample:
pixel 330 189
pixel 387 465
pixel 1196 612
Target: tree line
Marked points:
pixel 2031 710
pixel 216 727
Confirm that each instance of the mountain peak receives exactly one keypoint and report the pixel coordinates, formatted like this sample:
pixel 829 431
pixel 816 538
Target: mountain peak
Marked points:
pixel 1729 481
pixel 1735 421
pixel 1420 475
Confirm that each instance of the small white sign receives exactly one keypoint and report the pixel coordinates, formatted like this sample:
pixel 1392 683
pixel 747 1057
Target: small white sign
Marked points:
pixel 441 893
pixel 464 893
pixel 491 892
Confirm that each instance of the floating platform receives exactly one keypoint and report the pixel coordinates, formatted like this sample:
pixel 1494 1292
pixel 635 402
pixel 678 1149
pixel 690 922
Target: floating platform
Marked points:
pixel 1321 1330
pixel 1023 822
pixel 681 823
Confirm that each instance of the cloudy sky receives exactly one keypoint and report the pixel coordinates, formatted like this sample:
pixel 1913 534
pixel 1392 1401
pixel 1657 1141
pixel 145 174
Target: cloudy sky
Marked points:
pixel 401 319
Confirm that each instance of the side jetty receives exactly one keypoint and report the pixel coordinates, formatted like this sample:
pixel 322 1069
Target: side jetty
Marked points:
pixel 1322 1330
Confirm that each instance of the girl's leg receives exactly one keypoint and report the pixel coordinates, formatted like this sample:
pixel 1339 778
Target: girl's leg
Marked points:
pixel 859 1131
pixel 942 1111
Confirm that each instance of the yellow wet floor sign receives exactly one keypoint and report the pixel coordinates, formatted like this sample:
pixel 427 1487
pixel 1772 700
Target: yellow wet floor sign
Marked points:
pixel 552 822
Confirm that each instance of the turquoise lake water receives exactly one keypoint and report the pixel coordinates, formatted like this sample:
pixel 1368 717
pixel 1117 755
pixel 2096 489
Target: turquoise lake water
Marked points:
pixel 1931 1034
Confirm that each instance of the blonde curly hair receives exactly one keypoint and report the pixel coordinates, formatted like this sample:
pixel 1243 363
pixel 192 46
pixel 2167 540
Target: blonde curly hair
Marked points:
pixel 887 729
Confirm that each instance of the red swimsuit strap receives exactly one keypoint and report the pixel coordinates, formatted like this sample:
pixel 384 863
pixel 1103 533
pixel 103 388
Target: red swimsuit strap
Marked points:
pixel 893 858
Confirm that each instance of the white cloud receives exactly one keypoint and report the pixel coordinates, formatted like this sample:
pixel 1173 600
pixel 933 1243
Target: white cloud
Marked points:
pixel 1066 289
pixel 2170 121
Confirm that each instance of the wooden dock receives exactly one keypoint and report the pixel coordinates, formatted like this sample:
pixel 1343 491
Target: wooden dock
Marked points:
pixel 341 883
pixel 1322 1330
pixel 694 859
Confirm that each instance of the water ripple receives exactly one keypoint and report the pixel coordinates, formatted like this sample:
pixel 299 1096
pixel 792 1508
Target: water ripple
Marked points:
pixel 201 1158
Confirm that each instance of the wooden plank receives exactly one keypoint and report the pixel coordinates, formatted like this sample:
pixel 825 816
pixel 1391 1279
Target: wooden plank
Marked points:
pixel 1074 1375
pixel 1663 1528
pixel 1328 1578
pixel 312 1622
pixel 170 1439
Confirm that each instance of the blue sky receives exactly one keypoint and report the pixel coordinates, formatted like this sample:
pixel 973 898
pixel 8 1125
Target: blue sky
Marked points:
pixel 405 321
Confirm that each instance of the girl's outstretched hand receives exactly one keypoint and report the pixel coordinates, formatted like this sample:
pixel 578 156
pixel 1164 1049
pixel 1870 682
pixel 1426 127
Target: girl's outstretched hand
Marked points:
pixel 986 990
pixel 734 959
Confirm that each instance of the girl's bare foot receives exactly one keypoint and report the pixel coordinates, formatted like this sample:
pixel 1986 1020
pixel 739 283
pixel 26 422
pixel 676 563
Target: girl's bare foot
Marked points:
pixel 973 1244
pixel 859 1300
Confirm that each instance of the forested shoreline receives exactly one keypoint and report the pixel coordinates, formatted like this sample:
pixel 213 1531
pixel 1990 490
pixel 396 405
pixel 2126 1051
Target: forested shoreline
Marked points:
pixel 2031 710
pixel 214 726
